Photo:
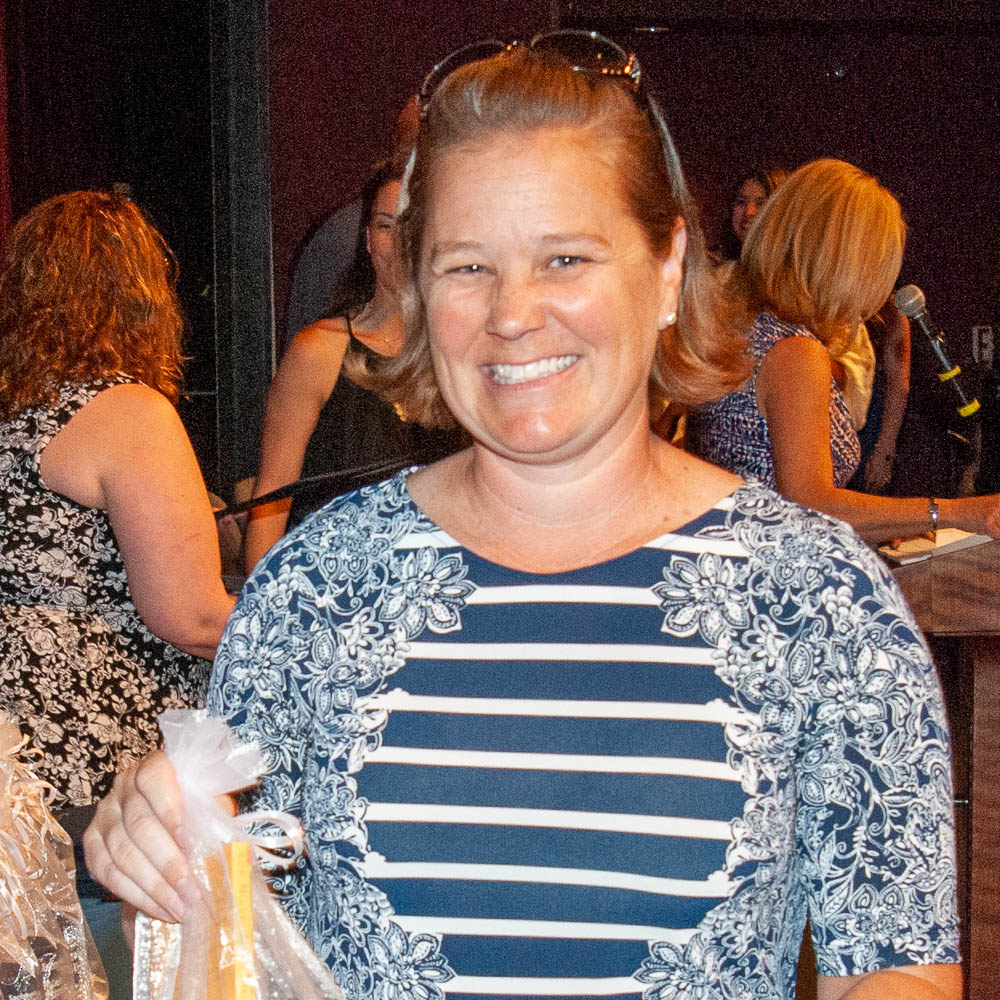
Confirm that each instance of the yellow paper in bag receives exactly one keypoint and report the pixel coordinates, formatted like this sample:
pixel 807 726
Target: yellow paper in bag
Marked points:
pixel 230 972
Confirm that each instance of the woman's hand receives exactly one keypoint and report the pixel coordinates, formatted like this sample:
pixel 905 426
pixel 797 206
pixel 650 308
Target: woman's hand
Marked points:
pixel 132 845
pixel 878 469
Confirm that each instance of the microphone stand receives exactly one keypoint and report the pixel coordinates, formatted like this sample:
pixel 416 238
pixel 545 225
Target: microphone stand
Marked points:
pixel 340 481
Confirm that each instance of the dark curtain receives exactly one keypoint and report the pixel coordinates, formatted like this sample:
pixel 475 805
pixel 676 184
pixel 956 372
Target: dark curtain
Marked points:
pixel 5 208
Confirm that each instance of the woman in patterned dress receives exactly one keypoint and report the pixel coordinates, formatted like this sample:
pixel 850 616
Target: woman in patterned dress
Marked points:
pixel 111 600
pixel 822 255
pixel 573 713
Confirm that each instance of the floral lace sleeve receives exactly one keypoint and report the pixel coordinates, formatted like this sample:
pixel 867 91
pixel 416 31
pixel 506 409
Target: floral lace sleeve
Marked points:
pixel 254 688
pixel 848 715
pixel 876 801
pixel 844 753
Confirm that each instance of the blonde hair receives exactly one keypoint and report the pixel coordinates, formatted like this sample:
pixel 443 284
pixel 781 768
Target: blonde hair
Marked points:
pixel 824 251
pixel 524 91
pixel 86 292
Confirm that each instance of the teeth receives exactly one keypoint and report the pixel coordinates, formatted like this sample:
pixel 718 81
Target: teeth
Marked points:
pixel 514 374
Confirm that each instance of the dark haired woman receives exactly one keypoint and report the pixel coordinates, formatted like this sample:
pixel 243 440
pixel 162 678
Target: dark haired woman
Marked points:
pixel 318 422
pixel 748 197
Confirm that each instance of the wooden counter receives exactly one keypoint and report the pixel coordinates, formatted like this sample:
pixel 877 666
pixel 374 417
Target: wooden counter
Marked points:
pixel 956 601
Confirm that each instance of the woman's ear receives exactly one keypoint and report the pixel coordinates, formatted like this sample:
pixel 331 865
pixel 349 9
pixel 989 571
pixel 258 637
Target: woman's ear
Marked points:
pixel 671 276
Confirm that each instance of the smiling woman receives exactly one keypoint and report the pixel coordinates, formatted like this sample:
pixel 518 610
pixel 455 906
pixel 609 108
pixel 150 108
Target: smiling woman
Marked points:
pixel 573 713
pixel 543 330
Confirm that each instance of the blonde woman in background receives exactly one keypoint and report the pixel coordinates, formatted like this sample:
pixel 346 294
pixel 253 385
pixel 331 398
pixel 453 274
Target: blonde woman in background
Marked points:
pixel 823 254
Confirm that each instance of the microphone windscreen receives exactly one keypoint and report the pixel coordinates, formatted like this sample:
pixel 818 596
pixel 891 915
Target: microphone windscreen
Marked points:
pixel 910 300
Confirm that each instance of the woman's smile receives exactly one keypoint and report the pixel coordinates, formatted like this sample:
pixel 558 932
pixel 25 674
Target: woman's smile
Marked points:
pixel 544 300
pixel 508 374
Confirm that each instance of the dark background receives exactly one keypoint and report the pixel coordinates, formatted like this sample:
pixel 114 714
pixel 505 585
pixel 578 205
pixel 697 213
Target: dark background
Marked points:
pixel 160 96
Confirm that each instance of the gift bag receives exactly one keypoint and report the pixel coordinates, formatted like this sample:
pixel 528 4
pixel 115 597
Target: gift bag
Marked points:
pixel 238 944
pixel 46 952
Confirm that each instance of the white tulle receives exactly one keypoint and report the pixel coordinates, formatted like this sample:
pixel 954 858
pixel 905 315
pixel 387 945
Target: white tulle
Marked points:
pixel 237 945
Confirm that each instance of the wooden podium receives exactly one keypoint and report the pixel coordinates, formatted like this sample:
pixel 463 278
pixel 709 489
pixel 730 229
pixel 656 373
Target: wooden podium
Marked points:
pixel 955 598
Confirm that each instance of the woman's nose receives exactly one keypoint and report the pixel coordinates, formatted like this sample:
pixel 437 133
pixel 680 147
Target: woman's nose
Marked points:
pixel 516 307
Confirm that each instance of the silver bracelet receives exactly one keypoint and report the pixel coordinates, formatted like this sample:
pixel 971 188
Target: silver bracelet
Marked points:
pixel 934 512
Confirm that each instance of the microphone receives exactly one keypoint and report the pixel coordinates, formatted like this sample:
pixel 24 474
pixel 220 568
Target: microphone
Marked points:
pixel 911 303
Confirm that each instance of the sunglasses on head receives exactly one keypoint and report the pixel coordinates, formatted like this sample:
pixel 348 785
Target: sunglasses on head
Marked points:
pixel 585 51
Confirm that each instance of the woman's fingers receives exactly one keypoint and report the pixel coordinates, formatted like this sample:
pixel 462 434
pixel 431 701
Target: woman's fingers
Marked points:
pixel 131 845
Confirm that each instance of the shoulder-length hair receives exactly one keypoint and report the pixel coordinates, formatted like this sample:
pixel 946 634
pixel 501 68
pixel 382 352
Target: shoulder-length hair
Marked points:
pixel 521 91
pixel 87 291
pixel 825 250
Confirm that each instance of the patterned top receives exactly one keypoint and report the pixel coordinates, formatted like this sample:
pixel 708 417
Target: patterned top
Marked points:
pixel 78 669
pixel 634 778
pixel 732 432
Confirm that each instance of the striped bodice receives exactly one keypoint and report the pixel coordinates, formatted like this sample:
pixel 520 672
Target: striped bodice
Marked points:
pixel 605 782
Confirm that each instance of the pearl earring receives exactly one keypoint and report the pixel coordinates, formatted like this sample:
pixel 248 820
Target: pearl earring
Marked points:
pixel 671 318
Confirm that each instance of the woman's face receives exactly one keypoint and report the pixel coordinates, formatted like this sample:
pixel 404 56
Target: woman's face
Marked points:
pixel 749 201
pixel 383 243
pixel 544 301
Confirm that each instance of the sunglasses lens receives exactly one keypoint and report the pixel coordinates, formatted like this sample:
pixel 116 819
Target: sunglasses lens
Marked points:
pixel 588 52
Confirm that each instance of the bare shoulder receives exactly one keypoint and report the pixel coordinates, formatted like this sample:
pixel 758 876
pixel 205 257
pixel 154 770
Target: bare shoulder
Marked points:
pixel 122 426
pixel 793 350
pixel 319 341
pixel 311 364
pixel 125 411
pixel 794 368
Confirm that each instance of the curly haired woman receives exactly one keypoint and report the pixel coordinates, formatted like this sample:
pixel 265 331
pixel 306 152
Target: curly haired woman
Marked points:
pixel 111 598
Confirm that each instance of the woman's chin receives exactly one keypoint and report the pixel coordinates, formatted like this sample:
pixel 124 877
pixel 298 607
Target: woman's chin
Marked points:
pixel 529 440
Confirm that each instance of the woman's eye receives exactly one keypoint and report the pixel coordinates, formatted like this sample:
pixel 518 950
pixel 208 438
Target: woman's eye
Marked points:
pixel 467 269
pixel 565 260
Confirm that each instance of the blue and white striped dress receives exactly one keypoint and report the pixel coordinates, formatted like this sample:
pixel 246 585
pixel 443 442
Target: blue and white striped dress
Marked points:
pixel 629 779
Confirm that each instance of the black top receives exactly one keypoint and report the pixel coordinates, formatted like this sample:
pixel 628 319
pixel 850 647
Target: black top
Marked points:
pixel 357 428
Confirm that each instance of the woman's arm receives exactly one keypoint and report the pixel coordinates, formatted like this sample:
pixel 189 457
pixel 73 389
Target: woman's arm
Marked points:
pixel 127 452
pixel 878 468
pixel 135 844
pixel 906 982
pixel 301 386
pixel 793 393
